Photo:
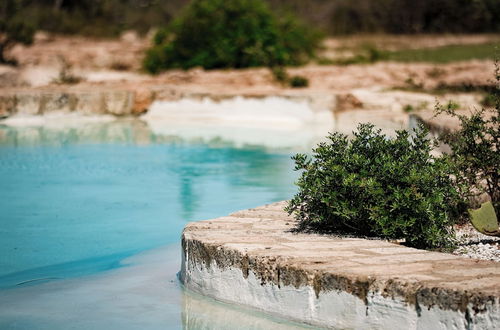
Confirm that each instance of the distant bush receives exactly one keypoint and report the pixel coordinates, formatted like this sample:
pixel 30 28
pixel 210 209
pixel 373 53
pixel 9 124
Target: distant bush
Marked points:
pixel 120 66
pixel 231 34
pixel 280 74
pixel 374 185
pixel 410 16
pixel 66 76
pixel 299 82
pixel 107 18
pixel 99 18
pixel 408 108
pixel 488 100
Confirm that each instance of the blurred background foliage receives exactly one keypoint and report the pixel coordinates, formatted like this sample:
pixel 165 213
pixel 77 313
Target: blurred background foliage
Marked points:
pixel 108 18
pixel 12 29
pixel 231 34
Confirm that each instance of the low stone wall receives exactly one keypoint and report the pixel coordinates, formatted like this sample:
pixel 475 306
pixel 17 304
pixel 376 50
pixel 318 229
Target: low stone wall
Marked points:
pixel 252 258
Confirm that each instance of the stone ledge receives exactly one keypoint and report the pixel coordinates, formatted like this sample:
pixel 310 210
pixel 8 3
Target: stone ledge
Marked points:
pixel 96 102
pixel 132 100
pixel 251 258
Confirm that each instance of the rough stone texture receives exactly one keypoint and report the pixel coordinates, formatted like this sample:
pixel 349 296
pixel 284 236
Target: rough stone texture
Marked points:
pixel 124 99
pixel 260 244
pixel 7 105
pixel 118 103
pixel 61 102
pixel 129 101
pixel 90 103
pixel 9 76
pixel 41 101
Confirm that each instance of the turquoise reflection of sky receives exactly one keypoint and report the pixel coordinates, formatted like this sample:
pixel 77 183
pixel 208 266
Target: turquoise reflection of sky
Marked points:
pixel 79 205
pixel 76 201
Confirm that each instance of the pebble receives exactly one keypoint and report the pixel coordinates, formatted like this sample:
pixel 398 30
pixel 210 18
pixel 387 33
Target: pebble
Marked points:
pixel 473 244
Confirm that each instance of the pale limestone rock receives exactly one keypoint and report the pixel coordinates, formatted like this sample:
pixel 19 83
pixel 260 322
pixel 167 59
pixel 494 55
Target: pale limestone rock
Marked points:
pixel 119 103
pixel 9 76
pixel 58 102
pixel 29 103
pixel 90 103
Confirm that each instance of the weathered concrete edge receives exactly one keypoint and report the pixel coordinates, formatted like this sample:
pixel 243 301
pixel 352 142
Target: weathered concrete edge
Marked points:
pixel 327 298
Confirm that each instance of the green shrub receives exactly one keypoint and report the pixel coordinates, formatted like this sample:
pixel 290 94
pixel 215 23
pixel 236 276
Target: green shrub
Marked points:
pixel 408 108
pixel 66 75
pixel 374 185
pixel 476 149
pixel 488 100
pixel 374 54
pixel 108 18
pixel 299 82
pixel 280 74
pixel 231 34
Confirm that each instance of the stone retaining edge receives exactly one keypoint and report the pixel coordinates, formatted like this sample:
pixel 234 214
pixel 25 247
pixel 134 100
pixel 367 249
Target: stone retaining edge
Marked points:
pixel 328 299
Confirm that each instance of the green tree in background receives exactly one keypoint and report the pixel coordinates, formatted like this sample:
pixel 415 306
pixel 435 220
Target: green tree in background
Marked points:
pixel 108 18
pixel 231 34
pixel 98 18
pixel 12 29
pixel 410 16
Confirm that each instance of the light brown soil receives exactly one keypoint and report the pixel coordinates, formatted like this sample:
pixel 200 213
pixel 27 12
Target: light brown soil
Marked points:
pixel 80 52
pixel 117 62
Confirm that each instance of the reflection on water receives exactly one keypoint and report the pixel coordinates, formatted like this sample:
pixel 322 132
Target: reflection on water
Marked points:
pixel 199 312
pixel 137 132
pixel 118 131
pixel 78 201
pixel 87 202
pixel 143 294
pixel 60 131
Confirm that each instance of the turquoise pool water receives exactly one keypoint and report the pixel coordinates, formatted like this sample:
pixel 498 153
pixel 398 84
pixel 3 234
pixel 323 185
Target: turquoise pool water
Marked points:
pixel 88 210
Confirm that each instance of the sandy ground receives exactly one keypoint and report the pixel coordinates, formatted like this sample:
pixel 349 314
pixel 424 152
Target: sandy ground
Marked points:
pixel 118 62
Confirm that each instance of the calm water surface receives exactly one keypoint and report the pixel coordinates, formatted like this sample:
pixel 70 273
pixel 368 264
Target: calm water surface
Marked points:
pixel 91 222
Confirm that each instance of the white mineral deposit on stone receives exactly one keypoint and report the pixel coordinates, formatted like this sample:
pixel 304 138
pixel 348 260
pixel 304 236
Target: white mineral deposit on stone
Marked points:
pixel 337 309
pixel 276 112
pixel 251 258
pixel 272 121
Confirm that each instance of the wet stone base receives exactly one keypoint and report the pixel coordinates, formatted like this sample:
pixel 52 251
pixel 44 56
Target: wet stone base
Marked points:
pixel 251 258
